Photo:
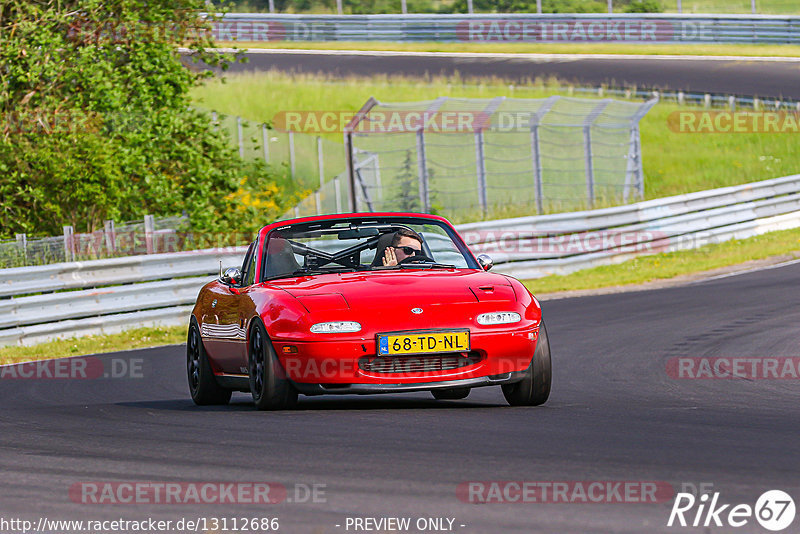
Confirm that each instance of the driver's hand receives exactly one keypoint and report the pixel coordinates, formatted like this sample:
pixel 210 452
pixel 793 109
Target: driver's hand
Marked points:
pixel 389 257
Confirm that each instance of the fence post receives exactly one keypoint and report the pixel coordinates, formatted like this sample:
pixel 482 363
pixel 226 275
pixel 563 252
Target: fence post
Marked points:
pixel 240 136
pixel 291 153
pixel 111 238
pixel 753 6
pixel 337 191
pixel 732 102
pixel 22 243
pixel 587 150
pixel 265 142
pixel 536 152
pixel 422 172
pixel 272 6
pixel 539 6
pixel 610 6
pixel 634 172
pixel 404 7
pixel 469 7
pixel 149 230
pixel 480 164
pixel 320 162
pixel 339 7
pixel 69 243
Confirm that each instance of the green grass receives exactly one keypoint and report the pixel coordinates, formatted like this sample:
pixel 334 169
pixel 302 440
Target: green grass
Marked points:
pixel 672 264
pixel 131 339
pixel 763 7
pixel 674 163
pixel 538 48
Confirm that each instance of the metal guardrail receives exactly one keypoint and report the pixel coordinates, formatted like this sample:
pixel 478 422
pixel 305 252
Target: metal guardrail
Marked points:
pixel 533 247
pixel 104 296
pixel 544 28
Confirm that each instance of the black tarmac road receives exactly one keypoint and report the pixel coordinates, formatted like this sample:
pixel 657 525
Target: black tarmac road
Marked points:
pixel 732 76
pixel 614 415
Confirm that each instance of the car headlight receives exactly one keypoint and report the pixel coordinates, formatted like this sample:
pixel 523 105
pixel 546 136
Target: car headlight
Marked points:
pixel 336 327
pixel 498 318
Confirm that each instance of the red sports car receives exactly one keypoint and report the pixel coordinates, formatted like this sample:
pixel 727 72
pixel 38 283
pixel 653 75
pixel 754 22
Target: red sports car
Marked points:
pixel 365 303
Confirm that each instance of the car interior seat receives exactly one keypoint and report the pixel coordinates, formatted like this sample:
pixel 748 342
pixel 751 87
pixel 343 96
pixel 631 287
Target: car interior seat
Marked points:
pixel 280 258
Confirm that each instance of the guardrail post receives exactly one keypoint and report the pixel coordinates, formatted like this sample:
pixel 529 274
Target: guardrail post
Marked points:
pixel 610 6
pixel 22 244
pixel 272 6
pixel 265 142
pixel 732 102
pixel 69 243
pixel 240 136
pixel 404 7
pixel 149 231
pixel 110 237
pixel 291 153
pixel 469 7
pixel 422 172
pixel 539 6
pixel 756 104
pixel 680 7
pixel 339 7
pixel 707 100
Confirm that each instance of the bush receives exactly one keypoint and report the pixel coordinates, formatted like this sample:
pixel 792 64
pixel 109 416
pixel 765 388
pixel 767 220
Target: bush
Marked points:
pixel 644 6
pixel 97 119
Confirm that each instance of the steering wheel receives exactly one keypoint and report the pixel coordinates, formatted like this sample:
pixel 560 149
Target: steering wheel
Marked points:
pixel 419 258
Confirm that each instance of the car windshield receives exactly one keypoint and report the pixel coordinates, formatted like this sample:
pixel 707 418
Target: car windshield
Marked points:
pixel 360 245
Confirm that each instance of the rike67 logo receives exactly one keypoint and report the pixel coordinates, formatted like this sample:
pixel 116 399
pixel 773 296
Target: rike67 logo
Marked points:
pixel 774 510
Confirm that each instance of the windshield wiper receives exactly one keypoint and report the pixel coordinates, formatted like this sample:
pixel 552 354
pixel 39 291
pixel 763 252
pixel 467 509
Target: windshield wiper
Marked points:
pixel 425 265
pixel 307 272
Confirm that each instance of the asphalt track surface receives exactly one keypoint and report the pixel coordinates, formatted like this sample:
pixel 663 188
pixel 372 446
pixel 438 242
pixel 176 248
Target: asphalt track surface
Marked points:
pixel 614 414
pixel 772 79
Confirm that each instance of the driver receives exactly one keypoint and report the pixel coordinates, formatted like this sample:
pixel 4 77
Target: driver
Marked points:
pixel 405 243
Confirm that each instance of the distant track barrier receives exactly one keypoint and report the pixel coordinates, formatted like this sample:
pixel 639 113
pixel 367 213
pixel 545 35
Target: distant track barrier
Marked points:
pixel 529 28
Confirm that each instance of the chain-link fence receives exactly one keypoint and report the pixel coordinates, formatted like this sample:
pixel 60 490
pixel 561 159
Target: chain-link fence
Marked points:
pixel 475 158
pixel 311 160
pixel 145 236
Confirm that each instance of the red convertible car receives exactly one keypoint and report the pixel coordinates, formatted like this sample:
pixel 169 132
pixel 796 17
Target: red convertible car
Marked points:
pixel 360 304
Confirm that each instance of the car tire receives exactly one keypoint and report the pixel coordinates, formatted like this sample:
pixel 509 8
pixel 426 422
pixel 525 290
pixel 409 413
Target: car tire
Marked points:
pixel 450 394
pixel 203 386
pixel 269 386
pixel 534 389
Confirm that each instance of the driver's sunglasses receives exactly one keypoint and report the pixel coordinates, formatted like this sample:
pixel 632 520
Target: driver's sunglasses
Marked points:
pixel 409 251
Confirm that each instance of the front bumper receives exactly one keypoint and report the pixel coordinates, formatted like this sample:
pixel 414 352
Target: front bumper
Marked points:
pixel 333 366
pixel 370 389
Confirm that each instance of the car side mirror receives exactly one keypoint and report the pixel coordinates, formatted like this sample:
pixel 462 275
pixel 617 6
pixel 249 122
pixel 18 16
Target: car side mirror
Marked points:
pixel 231 277
pixel 485 262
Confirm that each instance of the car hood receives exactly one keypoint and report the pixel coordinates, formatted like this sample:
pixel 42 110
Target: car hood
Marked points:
pixel 376 290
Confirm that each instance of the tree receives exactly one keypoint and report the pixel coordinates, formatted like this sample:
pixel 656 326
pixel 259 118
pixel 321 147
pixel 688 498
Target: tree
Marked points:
pixel 96 117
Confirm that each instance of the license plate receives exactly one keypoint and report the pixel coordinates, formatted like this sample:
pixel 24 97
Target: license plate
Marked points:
pixel 423 342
